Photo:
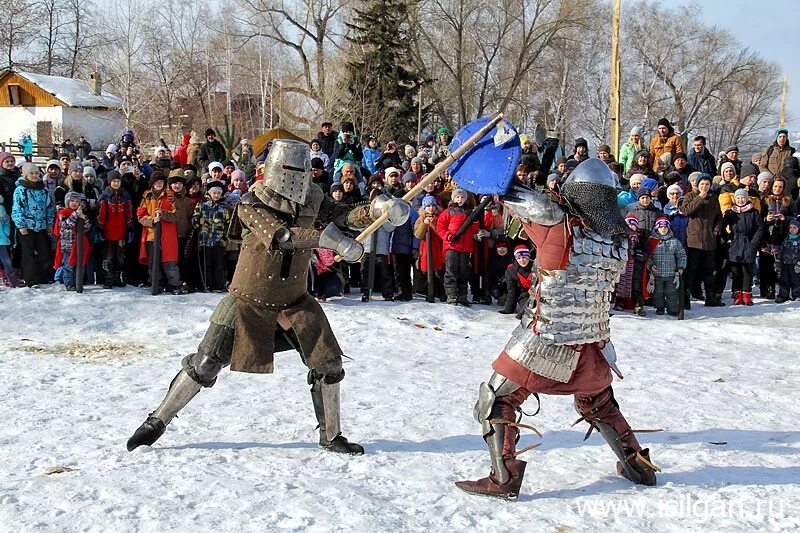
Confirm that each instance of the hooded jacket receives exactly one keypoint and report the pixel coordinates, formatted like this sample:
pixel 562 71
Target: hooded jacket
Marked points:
pixel 33 208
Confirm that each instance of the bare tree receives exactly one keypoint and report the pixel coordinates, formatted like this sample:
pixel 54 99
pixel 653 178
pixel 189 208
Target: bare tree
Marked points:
pixel 16 21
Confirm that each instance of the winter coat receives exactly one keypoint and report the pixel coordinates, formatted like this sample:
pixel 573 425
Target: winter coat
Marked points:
pixel 705 220
pixel 437 244
pixel 184 209
pixel 519 276
pixel 627 155
pixel 448 224
pixel 726 197
pixel 370 159
pixel 703 162
pixel 5 227
pixel 393 157
pixel 383 240
pixel 744 228
pixel 659 146
pixel 210 152
pixel 181 154
pixel 26 145
pixel 89 193
pixel 151 201
pixel 327 143
pixel 677 221
pixel 65 230
pixel 668 255
pixel 116 213
pixel 212 220
pixel 84 149
pixel 8 182
pixel 33 208
pixel 790 251
pixel 347 153
pixel 773 158
pixel 647 216
pixel 403 241
pixel 326 161
pixel 775 230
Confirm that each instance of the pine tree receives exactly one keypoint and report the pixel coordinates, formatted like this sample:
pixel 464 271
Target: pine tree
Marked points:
pixel 382 84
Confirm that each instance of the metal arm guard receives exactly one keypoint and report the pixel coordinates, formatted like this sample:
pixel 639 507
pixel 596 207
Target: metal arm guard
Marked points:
pixel 533 207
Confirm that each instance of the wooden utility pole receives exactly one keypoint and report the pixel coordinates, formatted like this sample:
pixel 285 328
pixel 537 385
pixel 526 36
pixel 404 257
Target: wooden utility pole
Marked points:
pixel 615 107
pixel 783 100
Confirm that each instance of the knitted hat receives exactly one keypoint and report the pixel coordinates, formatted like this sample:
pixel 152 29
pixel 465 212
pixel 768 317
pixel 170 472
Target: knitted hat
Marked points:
pixel 238 173
pixel 500 242
pixel 337 187
pixel 317 163
pixel 741 193
pixel 662 222
pixel 726 165
pixel 631 220
pixel 664 122
pixel 604 148
pixel 732 148
pixel 636 130
pixel 29 168
pixel 704 176
pixel 665 158
pixel 642 191
pixel 458 191
pixel 70 196
pixel 213 165
pixel 560 160
pixel 642 153
pixel 572 164
pixel 781 130
pixel 89 171
pixel 650 184
pixel 395 170
pixel 764 176
pixel 680 155
pixel 156 177
pixel 748 169
pixel 210 131
pixel 75 166
pixel 416 160
pixel 521 250
pixel 112 149
pixel 636 177
pixel 674 188
pixel 428 200
pixel 409 177
pixel 794 221
pixel 447 131
pixel 113 175
pixel 211 185
pixel 53 163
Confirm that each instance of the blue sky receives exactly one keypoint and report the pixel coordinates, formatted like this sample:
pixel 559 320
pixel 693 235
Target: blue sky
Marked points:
pixel 768 27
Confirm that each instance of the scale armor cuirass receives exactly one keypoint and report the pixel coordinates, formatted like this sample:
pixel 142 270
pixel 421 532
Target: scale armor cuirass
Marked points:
pixel 572 306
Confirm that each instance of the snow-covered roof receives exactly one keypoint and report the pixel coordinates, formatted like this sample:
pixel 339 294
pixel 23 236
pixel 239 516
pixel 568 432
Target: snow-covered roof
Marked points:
pixel 74 93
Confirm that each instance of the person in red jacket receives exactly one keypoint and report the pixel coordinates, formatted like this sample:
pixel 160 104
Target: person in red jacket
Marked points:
pixel 114 219
pixel 457 249
pixel 425 224
pixel 181 155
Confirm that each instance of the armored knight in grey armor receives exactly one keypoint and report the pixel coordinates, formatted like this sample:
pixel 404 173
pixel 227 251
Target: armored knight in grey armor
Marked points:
pixel 268 308
pixel 562 344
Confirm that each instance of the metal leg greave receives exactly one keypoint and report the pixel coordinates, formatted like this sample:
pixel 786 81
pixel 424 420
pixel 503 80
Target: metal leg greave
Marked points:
pixel 494 435
pixel 326 399
pixel 182 389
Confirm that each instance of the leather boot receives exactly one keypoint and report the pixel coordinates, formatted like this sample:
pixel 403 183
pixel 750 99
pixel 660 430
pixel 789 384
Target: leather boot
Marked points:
pixel 490 486
pixel 747 298
pixel 640 462
pixel 737 298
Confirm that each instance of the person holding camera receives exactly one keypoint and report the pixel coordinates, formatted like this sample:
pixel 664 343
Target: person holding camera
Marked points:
pixel 390 157
pixel 348 149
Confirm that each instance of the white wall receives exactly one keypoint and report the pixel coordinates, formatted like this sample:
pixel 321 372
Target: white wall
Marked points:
pixel 100 127
pixel 14 121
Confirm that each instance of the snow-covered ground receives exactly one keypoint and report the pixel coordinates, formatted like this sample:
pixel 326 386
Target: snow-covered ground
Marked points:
pixel 80 373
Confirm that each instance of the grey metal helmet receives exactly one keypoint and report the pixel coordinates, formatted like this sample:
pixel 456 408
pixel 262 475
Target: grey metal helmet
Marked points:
pixel 591 193
pixel 287 169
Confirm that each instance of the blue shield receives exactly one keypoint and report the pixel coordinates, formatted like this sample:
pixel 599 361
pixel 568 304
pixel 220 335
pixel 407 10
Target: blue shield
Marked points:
pixel 485 168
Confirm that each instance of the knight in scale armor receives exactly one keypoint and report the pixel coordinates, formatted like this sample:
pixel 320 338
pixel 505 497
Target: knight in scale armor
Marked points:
pixel 562 344
pixel 268 308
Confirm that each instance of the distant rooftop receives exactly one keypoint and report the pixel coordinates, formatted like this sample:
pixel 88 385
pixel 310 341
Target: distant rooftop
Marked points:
pixel 73 92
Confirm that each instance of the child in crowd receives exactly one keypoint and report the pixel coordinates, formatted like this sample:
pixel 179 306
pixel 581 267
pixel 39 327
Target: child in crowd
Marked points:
pixel 499 262
pixel 7 276
pixel 742 223
pixel 789 261
pixel 211 218
pixel 425 226
pixel 66 232
pixel 114 219
pixel 666 265
pixel 457 251
pixel 518 279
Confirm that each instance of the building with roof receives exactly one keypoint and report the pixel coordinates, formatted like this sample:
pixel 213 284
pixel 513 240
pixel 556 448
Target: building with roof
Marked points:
pixel 52 108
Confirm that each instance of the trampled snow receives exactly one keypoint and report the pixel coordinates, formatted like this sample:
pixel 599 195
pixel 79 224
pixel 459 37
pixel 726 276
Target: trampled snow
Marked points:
pixel 81 372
